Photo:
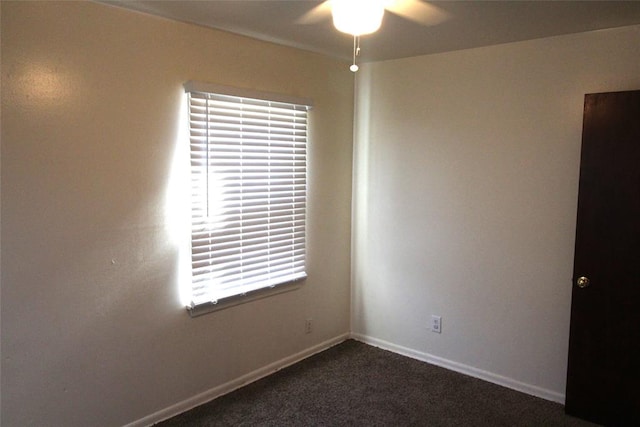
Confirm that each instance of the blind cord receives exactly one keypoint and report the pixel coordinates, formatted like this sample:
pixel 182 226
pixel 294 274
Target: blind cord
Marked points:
pixel 356 52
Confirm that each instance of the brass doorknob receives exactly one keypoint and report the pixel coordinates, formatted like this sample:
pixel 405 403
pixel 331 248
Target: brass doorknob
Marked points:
pixel 582 282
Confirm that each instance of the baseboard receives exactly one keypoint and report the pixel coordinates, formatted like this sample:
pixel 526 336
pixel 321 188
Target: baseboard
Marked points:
pixel 463 369
pixel 232 385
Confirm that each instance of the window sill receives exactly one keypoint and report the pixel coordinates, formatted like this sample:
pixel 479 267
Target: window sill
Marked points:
pixel 210 307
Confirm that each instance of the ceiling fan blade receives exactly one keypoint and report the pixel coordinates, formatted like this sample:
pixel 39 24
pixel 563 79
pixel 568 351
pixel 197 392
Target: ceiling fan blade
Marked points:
pixel 317 14
pixel 418 11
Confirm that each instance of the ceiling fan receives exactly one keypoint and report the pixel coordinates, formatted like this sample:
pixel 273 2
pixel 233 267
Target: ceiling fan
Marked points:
pixel 361 17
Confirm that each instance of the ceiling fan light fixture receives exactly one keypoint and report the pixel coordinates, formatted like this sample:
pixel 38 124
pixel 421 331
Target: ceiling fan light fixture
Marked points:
pixel 357 17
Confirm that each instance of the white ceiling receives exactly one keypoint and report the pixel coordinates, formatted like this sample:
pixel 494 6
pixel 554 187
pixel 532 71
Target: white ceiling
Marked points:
pixel 471 23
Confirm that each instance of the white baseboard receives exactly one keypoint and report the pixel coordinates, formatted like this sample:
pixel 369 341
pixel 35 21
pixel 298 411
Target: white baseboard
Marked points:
pixel 463 369
pixel 232 385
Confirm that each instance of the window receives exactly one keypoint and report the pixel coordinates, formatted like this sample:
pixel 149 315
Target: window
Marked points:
pixel 248 192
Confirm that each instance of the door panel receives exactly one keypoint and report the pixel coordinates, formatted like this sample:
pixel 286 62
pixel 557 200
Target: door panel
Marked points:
pixel 603 377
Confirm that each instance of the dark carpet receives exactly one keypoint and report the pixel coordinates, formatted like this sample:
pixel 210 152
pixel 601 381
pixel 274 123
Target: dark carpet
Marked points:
pixel 354 384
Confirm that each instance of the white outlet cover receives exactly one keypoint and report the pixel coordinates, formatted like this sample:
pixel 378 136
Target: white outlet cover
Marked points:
pixel 436 324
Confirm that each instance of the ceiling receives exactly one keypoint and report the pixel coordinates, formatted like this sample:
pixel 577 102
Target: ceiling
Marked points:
pixel 470 24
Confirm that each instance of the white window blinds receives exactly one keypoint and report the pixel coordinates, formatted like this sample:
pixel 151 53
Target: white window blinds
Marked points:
pixel 248 193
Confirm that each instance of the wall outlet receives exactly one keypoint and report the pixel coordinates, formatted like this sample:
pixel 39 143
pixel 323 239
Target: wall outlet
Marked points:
pixel 436 324
pixel 308 326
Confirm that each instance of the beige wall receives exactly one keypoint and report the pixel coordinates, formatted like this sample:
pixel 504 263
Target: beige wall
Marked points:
pixel 466 179
pixel 93 332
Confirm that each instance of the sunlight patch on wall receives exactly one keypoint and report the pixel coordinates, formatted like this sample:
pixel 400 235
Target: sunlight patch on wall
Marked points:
pixel 177 210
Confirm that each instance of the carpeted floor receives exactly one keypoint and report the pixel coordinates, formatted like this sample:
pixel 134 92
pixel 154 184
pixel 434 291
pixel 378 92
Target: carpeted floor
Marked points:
pixel 354 384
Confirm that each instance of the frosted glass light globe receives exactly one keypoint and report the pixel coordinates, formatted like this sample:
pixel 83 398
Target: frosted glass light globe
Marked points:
pixel 357 17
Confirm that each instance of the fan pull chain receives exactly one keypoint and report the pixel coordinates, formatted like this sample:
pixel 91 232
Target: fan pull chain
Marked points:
pixel 356 52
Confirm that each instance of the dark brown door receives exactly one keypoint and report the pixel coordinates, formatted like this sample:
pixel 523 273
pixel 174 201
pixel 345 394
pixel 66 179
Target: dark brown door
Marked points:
pixel 603 379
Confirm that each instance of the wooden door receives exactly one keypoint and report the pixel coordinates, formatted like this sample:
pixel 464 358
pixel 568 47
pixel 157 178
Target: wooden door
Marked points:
pixel 603 378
